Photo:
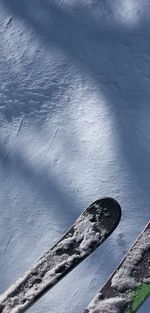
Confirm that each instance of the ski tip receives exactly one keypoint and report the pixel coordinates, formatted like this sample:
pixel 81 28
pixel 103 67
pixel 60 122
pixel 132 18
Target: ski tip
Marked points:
pixel 111 211
pixel 111 204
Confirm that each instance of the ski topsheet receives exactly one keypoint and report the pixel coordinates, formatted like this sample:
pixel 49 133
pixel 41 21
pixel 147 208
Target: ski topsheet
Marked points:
pixel 93 226
pixel 129 286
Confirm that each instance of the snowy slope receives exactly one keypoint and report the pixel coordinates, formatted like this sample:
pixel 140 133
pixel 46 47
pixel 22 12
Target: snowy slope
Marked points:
pixel 74 127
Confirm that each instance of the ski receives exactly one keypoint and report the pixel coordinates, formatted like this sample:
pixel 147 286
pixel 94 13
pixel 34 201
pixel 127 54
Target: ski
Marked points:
pixel 92 227
pixel 129 286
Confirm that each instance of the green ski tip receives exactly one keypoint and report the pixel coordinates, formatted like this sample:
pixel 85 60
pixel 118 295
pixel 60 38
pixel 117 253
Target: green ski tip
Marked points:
pixel 139 295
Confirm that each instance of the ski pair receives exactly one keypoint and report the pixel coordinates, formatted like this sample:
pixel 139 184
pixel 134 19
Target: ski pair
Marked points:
pixel 94 225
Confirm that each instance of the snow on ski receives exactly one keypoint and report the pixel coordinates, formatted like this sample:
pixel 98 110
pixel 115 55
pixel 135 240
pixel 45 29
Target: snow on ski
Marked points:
pixel 93 226
pixel 129 286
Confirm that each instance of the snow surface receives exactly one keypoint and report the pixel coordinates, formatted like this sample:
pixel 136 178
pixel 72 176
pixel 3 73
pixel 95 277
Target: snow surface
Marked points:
pixel 74 127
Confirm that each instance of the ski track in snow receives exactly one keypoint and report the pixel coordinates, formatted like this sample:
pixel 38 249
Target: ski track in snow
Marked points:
pixel 74 127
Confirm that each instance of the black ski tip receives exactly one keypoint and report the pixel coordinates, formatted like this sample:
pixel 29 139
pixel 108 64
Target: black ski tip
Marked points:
pixel 108 212
pixel 111 204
